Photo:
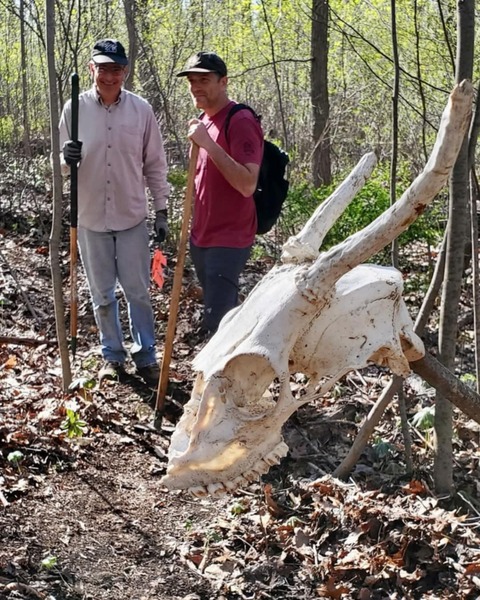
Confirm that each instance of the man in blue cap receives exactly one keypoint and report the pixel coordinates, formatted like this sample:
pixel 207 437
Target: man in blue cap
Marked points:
pixel 121 149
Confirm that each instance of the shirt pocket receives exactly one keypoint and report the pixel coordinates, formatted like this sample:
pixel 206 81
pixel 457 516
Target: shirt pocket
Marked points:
pixel 131 140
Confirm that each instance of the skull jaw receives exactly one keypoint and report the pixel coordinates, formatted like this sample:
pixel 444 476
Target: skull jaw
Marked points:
pixel 236 465
pixel 218 445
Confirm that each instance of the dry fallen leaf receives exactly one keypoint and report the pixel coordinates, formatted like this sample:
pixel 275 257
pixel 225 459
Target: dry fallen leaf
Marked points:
pixel 332 590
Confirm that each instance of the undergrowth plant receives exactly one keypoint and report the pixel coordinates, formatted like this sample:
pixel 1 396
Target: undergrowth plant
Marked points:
pixel 73 424
pixel 424 421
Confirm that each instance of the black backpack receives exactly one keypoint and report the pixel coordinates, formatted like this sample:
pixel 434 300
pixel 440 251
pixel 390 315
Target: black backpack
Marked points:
pixel 272 187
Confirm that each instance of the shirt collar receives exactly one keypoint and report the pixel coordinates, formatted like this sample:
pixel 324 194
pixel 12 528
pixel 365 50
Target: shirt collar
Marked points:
pixel 99 98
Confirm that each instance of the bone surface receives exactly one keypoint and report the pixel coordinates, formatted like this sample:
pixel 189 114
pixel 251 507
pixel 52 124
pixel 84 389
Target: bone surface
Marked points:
pixel 321 315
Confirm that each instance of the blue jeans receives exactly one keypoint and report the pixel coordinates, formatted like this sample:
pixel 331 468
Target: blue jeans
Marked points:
pixel 124 257
pixel 218 270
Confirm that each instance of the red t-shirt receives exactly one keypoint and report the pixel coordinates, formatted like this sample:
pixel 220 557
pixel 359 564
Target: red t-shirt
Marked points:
pixel 221 215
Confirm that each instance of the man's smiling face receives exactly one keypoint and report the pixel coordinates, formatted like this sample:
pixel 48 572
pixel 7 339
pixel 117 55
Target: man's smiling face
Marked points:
pixel 108 78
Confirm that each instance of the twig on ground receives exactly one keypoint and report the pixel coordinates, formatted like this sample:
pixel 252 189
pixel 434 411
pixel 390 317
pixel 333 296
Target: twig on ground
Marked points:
pixel 20 341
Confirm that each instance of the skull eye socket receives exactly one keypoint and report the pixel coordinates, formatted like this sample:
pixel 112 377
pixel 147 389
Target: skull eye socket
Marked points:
pixel 249 377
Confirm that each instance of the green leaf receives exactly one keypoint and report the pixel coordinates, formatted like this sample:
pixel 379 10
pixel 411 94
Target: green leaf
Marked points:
pixel 424 419
pixel 15 457
pixel 49 562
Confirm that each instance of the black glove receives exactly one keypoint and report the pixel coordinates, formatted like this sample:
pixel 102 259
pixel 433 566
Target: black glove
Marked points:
pixel 72 152
pixel 161 225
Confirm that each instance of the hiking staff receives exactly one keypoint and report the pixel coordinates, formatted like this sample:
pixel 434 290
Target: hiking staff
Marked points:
pixel 73 221
pixel 176 288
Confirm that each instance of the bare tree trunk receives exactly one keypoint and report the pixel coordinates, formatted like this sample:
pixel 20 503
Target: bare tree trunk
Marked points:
pixel 419 77
pixel 26 123
pixel 276 75
pixel 433 289
pixel 132 42
pixel 396 89
pixel 393 198
pixel 321 163
pixel 445 33
pixel 457 228
pixel 474 199
pixel 475 273
pixel 57 199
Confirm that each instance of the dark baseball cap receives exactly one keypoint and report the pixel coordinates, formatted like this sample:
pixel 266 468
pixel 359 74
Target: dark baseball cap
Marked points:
pixel 204 62
pixel 109 51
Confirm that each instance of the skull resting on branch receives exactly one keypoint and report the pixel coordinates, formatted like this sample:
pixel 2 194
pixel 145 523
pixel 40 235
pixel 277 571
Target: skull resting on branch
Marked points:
pixel 321 314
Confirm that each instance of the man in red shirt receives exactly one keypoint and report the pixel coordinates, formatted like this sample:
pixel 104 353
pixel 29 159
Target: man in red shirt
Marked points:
pixel 224 216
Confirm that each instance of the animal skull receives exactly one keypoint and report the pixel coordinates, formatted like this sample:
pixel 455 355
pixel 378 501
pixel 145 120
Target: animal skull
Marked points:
pixel 230 432
pixel 321 315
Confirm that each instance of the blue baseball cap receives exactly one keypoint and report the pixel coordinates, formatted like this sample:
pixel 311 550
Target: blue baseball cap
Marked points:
pixel 109 51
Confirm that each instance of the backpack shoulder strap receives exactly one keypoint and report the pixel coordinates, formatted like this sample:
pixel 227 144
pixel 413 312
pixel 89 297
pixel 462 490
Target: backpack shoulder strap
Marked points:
pixel 235 108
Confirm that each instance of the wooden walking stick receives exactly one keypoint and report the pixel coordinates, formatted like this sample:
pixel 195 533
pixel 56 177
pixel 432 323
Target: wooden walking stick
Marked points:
pixel 176 288
pixel 73 221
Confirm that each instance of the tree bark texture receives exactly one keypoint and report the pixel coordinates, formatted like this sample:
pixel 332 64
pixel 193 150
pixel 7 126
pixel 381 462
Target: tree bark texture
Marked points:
pixel 55 232
pixel 321 163
pixel 457 230
pixel 132 41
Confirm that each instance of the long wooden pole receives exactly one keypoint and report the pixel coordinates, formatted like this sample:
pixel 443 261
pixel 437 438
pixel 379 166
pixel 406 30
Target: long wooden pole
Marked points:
pixel 176 289
pixel 73 222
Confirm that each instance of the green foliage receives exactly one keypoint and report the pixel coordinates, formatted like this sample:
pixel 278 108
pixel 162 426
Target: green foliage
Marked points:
pixel 469 379
pixel 72 424
pixel 87 383
pixel 294 521
pixel 382 449
pixel 90 363
pixel 258 252
pixel 15 457
pixel 425 418
pixel 49 562
pixel 177 178
pixel 267 48
pixel 238 508
pixel 212 537
pixel 83 388
pixel 7 131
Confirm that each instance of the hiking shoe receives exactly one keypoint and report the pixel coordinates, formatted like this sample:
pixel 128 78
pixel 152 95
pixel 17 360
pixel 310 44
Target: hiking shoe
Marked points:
pixel 111 370
pixel 150 374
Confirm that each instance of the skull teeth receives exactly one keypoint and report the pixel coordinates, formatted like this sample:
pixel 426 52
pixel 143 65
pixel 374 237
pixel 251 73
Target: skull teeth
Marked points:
pixel 239 482
pixel 216 489
pixel 231 486
pixel 251 475
pixel 276 455
pixel 262 467
pixel 200 491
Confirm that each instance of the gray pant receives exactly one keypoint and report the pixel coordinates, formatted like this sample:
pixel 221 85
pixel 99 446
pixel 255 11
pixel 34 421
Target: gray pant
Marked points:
pixel 122 257
pixel 218 270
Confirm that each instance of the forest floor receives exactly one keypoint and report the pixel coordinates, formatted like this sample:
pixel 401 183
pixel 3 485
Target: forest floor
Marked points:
pixel 86 518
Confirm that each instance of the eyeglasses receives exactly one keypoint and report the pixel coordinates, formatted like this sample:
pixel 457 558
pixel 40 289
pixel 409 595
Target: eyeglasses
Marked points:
pixel 112 70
